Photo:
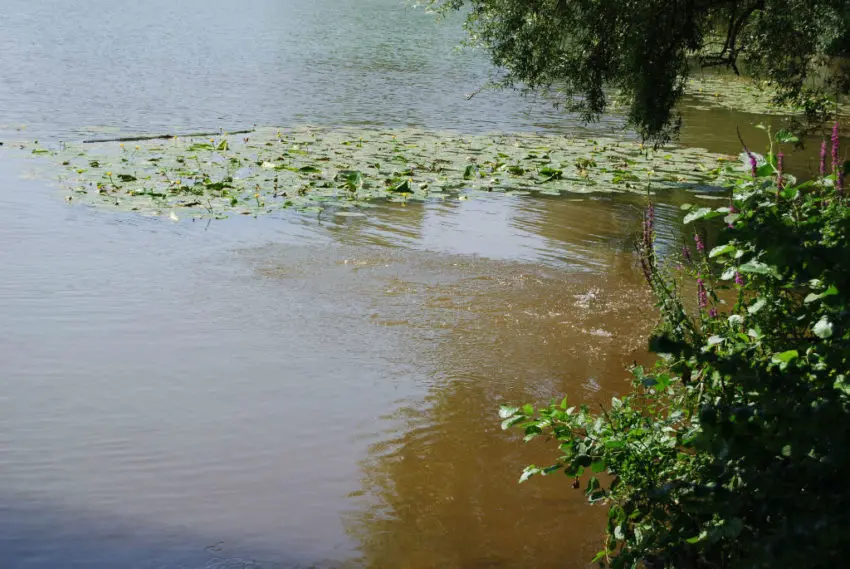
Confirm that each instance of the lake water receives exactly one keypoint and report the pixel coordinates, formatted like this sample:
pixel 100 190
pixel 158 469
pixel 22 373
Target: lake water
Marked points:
pixel 290 391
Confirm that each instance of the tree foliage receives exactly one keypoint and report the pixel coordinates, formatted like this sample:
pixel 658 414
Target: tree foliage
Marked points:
pixel 644 50
pixel 732 451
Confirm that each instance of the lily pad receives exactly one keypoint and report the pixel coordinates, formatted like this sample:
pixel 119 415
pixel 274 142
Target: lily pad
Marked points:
pixel 309 168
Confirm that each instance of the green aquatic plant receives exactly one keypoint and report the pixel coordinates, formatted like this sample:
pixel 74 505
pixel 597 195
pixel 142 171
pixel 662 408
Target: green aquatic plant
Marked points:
pixel 341 169
pixel 731 451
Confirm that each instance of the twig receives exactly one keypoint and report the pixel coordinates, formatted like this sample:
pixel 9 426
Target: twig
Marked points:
pixel 163 136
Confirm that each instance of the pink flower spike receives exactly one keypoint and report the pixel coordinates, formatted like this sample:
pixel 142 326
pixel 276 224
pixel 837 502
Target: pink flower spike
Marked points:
pixel 698 241
pixel 702 294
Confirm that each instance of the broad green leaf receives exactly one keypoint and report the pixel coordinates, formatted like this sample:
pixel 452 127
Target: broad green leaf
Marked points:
pixel 511 421
pixel 402 188
pixel 506 411
pixel 758 267
pixel 784 358
pixel 756 306
pixel 701 213
pixel 528 472
pixel 721 250
pixel 823 328
pixel 828 292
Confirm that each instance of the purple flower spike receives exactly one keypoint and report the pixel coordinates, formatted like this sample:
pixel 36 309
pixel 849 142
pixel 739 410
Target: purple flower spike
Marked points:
pixel 835 148
pixel 823 158
pixel 739 279
pixel 712 312
pixel 698 241
pixel 780 166
pixel 702 294
pixel 686 253
pixel 753 165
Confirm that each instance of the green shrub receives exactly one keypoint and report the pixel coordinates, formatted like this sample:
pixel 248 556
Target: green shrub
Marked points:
pixel 732 451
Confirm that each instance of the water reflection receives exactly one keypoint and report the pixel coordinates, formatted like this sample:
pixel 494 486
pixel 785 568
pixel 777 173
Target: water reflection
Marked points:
pixel 442 492
pixel 550 304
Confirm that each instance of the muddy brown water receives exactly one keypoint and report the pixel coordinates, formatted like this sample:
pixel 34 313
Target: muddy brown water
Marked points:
pixel 293 391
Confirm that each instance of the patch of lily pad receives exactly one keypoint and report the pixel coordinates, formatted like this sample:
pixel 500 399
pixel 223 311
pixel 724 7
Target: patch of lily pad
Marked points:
pixel 736 93
pixel 346 169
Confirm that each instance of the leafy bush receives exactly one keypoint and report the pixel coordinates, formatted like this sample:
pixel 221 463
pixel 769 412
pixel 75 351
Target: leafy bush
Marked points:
pixel 733 450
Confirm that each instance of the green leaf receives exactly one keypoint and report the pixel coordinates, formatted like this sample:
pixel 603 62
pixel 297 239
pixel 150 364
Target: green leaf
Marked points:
pixel 619 533
pixel 551 173
pixel 614 444
pixel 756 306
pixel 701 213
pixel 831 291
pixel 353 179
pixel 786 137
pixel 733 527
pixel 506 411
pixel 784 358
pixel 759 268
pixel 765 170
pixel 823 328
pixel 528 472
pixel 721 250
pixel 402 188
pixel 309 170
pixel 511 421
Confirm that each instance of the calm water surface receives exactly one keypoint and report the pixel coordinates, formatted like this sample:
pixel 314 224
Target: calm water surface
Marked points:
pixel 291 392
